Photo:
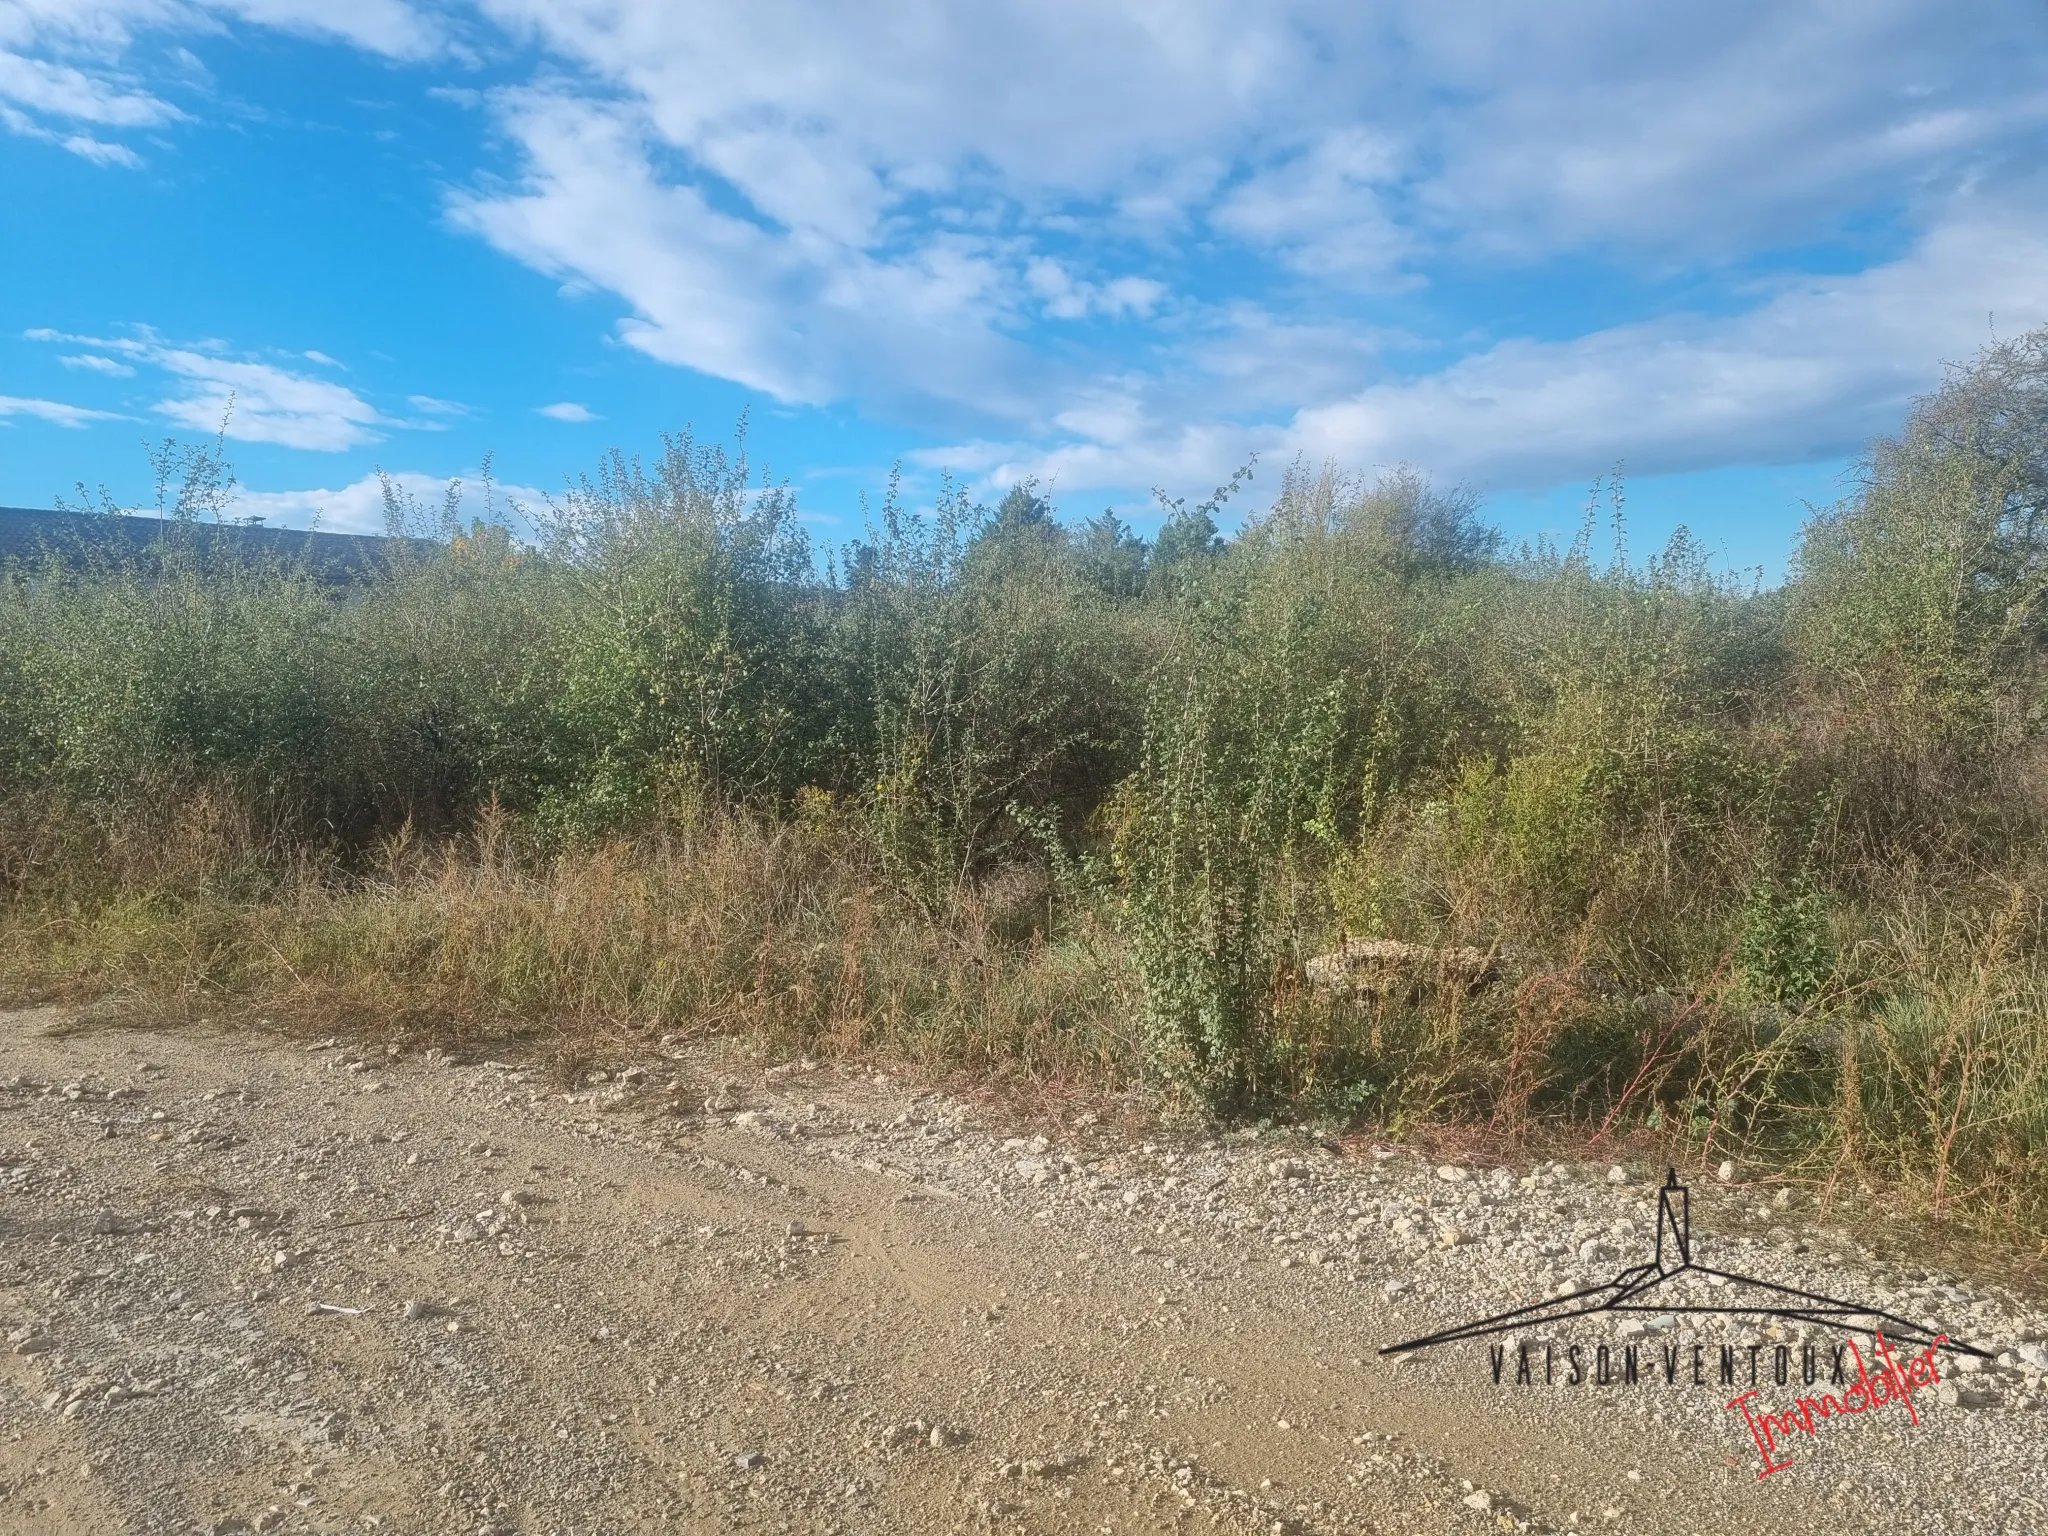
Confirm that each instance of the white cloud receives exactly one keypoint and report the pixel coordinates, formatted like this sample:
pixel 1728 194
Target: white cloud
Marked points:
pixel 591 207
pixel 1718 130
pixel 359 507
pixel 99 151
pixel 106 28
pixel 568 410
pixel 262 403
pixel 1811 370
pixel 826 116
pixel 879 204
pixel 1067 297
pixel 1215 204
pixel 259 402
pixel 59 90
pixel 67 59
pixel 94 363
pixel 389 27
pixel 1325 209
pixel 53 411
pixel 84 145
pixel 1811 373
pixel 1589 121
pixel 796 316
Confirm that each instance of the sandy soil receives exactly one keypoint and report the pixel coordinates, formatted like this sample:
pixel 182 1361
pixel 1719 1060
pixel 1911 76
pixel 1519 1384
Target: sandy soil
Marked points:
pixel 248 1284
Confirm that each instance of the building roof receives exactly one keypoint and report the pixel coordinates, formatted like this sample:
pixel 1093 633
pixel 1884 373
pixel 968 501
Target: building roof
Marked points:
pixel 30 536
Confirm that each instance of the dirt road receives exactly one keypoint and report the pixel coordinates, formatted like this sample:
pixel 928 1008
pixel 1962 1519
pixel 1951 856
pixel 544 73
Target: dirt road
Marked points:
pixel 250 1285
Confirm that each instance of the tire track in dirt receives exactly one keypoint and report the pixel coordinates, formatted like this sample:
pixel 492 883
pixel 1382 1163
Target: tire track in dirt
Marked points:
pixel 831 1305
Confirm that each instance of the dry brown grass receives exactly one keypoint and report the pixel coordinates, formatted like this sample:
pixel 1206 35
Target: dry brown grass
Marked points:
pixel 1922 1074
pixel 784 934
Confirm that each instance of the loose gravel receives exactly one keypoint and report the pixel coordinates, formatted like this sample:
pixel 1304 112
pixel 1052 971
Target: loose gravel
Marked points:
pixel 248 1284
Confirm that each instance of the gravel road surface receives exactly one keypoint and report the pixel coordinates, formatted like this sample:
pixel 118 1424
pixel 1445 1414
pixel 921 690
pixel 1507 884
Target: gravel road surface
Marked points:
pixel 248 1284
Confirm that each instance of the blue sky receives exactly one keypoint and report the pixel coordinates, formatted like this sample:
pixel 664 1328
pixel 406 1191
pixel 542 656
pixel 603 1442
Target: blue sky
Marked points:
pixel 1112 244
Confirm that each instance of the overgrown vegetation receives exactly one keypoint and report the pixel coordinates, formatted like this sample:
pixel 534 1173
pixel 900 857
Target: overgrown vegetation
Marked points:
pixel 1758 870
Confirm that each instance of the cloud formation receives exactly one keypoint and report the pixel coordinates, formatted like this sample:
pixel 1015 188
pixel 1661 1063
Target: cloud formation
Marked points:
pixel 66 62
pixel 252 401
pixel 53 411
pixel 1119 244
pixel 904 205
pixel 92 362
pixel 1811 373
pixel 359 506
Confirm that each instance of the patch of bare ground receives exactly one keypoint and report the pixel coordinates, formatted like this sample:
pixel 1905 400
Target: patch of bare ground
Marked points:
pixel 268 1284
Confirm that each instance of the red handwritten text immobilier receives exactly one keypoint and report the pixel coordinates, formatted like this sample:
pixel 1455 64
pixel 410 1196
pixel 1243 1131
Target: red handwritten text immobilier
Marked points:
pixel 1891 1384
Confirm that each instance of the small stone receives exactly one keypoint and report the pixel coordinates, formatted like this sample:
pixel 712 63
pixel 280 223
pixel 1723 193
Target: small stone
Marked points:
pixel 1726 1172
pixel 1617 1174
pixel 795 1229
pixel 1450 1173
pixel 34 1344
pixel 749 1461
pixel 1478 1498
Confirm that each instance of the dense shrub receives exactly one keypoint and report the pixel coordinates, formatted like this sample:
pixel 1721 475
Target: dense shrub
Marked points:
pixel 1757 866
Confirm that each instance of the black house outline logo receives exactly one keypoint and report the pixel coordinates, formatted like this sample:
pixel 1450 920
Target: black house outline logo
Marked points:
pixel 1673 1258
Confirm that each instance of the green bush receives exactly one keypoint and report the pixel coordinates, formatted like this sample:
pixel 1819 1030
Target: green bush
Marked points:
pixel 1708 830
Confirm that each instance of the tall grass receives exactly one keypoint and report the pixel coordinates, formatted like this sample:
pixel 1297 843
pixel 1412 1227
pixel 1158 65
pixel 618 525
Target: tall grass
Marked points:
pixel 735 926
pixel 1759 870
